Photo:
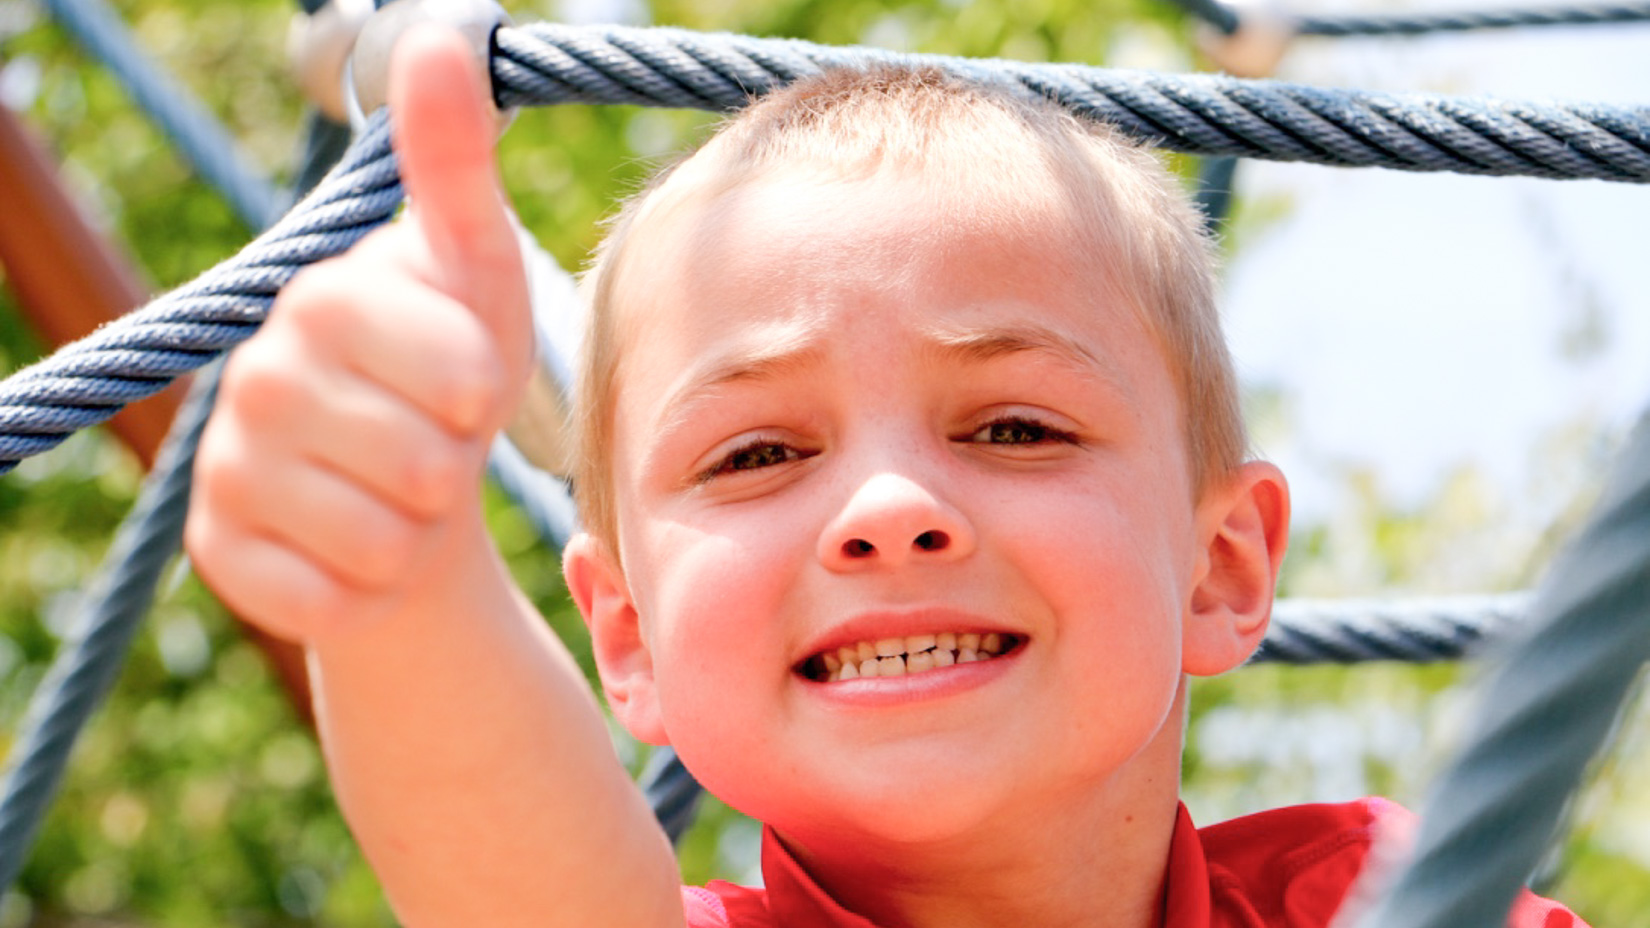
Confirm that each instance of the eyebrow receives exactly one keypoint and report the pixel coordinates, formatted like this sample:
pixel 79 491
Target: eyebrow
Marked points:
pixel 789 348
pixel 792 348
pixel 979 344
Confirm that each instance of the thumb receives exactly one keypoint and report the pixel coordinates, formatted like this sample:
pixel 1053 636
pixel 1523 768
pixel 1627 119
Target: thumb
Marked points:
pixel 445 127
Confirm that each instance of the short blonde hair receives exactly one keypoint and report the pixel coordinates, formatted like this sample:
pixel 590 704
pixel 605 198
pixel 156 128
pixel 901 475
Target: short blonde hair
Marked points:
pixel 1148 239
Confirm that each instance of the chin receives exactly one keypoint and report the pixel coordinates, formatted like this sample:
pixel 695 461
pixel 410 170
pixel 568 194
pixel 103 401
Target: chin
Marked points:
pixel 939 806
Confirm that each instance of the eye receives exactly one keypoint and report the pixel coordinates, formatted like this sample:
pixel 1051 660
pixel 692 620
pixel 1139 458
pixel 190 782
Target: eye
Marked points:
pixel 1020 430
pixel 753 455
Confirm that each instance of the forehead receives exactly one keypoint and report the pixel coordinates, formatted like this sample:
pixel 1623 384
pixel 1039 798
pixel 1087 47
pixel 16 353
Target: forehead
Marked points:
pixel 811 233
pixel 799 257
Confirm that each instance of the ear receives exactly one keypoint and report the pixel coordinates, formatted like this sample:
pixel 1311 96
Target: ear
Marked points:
pixel 623 661
pixel 1243 529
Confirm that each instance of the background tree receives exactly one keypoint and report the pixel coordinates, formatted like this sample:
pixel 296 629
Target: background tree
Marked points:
pixel 198 798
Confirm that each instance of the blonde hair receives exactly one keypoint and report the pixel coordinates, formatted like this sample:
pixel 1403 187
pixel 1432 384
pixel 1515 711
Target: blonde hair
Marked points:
pixel 1146 237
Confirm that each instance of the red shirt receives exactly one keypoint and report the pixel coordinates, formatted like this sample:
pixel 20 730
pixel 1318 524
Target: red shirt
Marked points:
pixel 1286 868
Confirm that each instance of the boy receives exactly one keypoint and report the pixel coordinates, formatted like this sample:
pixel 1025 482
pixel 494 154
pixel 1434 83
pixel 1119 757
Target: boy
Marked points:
pixel 915 491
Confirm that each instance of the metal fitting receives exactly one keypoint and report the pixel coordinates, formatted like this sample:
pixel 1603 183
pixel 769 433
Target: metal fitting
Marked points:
pixel 369 64
pixel 318 46
pixel 1255 49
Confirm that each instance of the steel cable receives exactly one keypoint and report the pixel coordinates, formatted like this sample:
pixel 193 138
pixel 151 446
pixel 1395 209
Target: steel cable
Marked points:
pixel 1545 711
pixel 85 383
pixel 201 139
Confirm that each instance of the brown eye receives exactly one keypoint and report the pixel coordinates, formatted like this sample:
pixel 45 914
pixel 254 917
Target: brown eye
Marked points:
pixel 1019 432
pixel 754 456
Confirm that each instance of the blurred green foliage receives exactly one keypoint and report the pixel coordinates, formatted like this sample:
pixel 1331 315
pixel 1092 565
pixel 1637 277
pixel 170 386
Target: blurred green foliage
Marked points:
pixel 198 797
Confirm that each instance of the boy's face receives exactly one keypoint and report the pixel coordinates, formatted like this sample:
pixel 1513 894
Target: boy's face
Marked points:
pixel 852 412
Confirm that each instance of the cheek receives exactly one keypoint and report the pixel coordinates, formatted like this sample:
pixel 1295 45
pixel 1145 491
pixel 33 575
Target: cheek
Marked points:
pixel 1114 568
pixel 712 611
pixel 716 618
pixel 1096 530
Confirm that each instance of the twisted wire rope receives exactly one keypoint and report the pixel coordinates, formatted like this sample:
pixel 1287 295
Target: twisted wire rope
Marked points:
pixel 1201 114
pixel 1418 631
pixel 1540 719
pixel 90 659
pixel 124 588
pixel 84 383
pixel 1213 12
pixel 1591 14
pixel 1228 20
pixel 200 137
pixel 544 500
pixel 671 792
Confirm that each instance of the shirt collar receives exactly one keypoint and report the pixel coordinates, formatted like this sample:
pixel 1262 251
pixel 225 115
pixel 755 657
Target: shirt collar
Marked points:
pixel 796 901
pixel 1186 880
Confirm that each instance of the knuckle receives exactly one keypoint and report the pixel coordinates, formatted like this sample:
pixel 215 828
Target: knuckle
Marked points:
pixel 261 383
pixel 474 381
pixel 308 293
pixel 427 479
pixel 201 533
pixel 383 549
pixel 227 484
pixel 224 486
pixel 324 304
pixel 474 397
pixel 310 604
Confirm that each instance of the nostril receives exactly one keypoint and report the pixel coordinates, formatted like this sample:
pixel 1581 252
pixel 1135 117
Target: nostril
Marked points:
pixel 857 547
pixel 933 541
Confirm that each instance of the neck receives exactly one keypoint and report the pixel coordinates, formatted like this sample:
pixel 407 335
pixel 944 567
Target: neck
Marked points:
pixel 1094 856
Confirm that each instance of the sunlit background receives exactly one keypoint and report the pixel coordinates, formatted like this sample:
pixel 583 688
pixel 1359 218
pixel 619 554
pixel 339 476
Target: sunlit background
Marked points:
pixel 1443 365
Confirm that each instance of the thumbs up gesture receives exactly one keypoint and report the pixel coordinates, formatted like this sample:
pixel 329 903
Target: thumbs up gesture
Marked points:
pixel 338 478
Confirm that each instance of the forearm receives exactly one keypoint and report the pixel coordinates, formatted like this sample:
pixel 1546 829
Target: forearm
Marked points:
pixel 335 504
pixel 474 767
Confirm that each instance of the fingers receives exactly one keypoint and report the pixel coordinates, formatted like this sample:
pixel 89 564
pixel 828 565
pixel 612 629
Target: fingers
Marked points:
pixel 294 546
pixel 341 422
pixel 362 315
pixel 445 129
pixel 339 475
pixel 348 443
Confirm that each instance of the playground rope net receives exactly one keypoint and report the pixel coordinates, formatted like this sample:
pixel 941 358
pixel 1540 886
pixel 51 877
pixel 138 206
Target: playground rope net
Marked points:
pixel 86 382
pixel 1227 19
pixel 1590 638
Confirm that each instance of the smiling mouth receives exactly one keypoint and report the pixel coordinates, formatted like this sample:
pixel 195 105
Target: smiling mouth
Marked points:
pixel 898 657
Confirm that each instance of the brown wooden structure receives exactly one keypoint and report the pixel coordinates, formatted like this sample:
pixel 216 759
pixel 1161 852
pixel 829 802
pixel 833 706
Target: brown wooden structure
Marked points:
pixel 68 281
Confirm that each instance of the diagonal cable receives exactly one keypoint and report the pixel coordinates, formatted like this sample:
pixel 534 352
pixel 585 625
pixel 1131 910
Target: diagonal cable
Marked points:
pixel 201 139
pixel 1546 710
pixel 90 659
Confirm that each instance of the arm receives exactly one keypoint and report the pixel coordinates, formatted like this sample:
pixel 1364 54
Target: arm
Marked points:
pixel 336 504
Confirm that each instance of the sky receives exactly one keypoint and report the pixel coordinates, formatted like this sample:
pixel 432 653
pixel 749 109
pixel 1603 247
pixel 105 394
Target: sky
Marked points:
pixel 1415 324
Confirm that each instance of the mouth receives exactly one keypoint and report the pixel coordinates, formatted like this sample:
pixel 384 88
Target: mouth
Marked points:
pixel 899 657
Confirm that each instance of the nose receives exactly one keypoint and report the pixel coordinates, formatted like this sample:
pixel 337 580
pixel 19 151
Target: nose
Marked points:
pixel 890 520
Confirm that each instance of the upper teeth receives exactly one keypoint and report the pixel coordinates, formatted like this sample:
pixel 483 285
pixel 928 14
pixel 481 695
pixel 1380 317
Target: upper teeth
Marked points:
pixel 894 657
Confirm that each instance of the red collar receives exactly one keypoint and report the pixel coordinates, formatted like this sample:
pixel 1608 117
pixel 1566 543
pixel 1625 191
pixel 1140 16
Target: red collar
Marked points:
pixel 1186 881
pixel 794 900
pixel 1284 866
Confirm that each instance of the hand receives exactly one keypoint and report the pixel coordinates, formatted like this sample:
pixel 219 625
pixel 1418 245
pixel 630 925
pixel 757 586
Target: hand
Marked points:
pixel 338 478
